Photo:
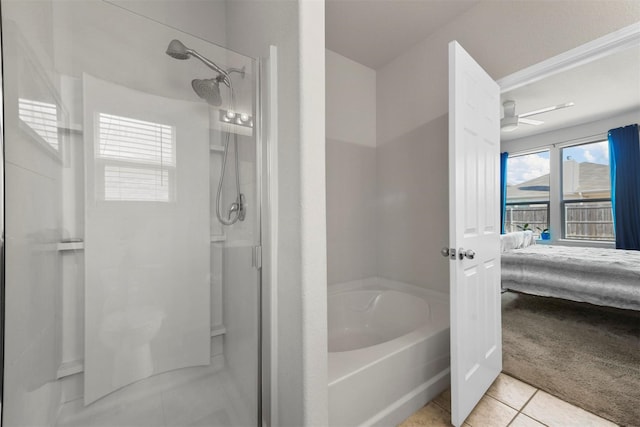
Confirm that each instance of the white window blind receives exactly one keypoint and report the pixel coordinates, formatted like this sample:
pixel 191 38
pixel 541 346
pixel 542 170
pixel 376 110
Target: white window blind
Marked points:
pixel 42 117
pixel 122 138
pixel 138 159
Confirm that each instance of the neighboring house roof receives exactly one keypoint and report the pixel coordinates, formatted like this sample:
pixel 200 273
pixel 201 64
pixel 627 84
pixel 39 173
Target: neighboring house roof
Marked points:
pixel 593 181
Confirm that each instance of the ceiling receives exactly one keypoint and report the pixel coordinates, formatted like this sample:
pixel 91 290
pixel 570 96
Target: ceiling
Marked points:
pixel 374 32
pixel 602 88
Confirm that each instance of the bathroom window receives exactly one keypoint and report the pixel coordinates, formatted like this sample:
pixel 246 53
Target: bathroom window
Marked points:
pixel 137 159
pixel 41 118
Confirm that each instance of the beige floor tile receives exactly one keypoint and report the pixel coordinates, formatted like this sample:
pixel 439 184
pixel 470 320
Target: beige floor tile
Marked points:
pixel 443 400
pixel 553 412
pixel 491 413
pixel 429 416
pixel 523 421
pixel 511 391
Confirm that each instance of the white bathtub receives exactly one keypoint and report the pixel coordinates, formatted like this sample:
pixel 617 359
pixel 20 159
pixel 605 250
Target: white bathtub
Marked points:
pixel 388 351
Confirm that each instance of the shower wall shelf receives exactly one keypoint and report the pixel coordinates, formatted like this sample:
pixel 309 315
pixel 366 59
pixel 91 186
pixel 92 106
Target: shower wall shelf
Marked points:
pixel 70 368
pixel 71 127
pixel 71 246
pixel 217 238
pixel 218 330
pixel 217 148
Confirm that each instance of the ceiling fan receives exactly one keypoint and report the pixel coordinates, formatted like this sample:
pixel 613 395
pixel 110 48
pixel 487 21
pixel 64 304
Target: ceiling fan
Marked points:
pixel 511 120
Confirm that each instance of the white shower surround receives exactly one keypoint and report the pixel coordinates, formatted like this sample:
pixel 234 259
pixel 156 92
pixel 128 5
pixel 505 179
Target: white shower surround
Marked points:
pixel 384 383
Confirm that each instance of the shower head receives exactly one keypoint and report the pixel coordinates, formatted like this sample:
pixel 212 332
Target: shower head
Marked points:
pixel 209 90
pixel 177 50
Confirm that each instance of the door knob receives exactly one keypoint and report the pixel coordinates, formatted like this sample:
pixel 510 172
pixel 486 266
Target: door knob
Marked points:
pixel 448 253
pixel 468 253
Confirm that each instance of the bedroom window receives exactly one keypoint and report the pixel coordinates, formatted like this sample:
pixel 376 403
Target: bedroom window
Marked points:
pixel 528 192
pixel 586 192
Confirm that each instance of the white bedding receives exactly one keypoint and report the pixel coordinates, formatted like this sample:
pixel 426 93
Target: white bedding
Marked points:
pixel 608 277
pixel 516 240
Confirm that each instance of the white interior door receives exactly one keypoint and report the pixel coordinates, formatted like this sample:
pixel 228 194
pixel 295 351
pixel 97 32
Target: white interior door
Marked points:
pixel 474 231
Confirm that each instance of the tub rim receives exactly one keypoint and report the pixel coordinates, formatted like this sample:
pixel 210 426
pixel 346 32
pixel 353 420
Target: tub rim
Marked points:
pixel 346 363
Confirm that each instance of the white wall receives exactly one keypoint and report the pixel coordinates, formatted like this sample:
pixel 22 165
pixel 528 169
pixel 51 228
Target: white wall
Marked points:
pixel 351 101
pixel 412 103
pixel 201 18
pixel 351 169
pixel 296 28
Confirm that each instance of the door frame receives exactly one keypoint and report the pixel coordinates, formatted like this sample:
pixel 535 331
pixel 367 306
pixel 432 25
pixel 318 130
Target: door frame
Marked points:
pixel 2 220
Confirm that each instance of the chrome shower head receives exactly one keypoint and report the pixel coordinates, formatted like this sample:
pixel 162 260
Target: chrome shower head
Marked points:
pixel 209 90
pixel 177 50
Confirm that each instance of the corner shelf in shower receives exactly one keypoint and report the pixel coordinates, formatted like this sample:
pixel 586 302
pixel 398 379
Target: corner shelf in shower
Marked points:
pixel 71 246
pixel 218 330
pixel 70 127
pixel 70 368
pixel 216 148
pixel 218 238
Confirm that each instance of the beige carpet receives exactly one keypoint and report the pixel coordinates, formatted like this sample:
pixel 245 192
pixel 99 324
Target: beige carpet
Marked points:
pixel 584 354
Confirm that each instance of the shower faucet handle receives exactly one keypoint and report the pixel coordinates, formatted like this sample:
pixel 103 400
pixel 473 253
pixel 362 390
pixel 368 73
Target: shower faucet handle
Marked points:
pixel 239 207
pixel 235 207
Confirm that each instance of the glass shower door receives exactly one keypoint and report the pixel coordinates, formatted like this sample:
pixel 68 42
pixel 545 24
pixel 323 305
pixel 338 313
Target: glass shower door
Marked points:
pixel 132 217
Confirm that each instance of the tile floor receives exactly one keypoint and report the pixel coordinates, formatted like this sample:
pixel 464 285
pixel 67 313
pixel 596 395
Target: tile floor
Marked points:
pixel 508 402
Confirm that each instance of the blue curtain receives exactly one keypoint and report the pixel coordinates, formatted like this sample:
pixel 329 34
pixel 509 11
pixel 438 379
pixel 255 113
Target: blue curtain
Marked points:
pixel 624 157
pixel 503 189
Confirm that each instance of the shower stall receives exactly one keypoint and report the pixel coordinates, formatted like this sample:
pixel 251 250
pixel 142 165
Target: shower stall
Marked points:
pixel 132 164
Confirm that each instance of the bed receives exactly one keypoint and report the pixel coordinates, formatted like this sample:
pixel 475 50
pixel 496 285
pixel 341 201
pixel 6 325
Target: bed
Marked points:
pixel 608 277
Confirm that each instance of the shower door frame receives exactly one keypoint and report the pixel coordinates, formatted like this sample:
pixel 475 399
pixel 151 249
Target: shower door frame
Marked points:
pixel 2 204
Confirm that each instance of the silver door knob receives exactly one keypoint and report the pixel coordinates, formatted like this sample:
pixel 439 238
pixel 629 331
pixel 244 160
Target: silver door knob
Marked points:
pixel 468 253
pixel 445 252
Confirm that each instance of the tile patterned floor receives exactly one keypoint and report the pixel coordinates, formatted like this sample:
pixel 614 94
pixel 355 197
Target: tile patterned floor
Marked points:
pixel 508 402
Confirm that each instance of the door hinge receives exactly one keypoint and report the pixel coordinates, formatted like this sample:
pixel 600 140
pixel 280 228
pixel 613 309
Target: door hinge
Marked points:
pixel 256 257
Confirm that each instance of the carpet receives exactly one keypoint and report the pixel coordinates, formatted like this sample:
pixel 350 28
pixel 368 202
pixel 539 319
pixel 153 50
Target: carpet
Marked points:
pixel 584 354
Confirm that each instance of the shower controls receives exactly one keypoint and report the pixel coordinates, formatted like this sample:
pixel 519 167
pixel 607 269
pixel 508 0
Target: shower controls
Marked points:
pixel 238 207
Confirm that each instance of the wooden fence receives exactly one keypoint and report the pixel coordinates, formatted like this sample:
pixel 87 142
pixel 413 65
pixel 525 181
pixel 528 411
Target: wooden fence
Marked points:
pixel 583 220
pixel 589 221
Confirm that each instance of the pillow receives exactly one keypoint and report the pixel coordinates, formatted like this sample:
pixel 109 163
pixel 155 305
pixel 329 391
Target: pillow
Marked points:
pixel 516 240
